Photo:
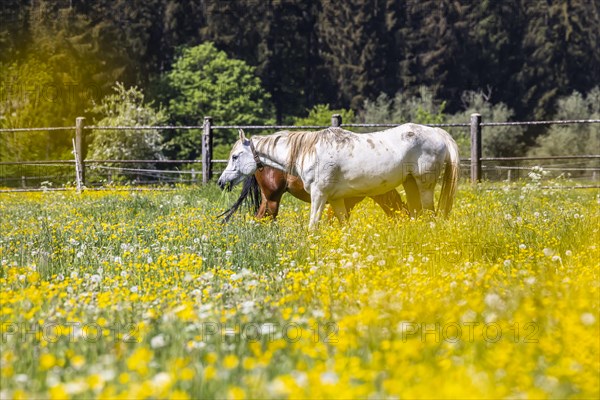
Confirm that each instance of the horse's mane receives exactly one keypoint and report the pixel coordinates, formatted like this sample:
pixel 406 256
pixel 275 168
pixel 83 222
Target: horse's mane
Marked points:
pixel 303 143
pixel 250 194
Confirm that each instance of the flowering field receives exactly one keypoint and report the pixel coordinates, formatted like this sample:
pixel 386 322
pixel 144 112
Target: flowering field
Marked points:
pixel 144 294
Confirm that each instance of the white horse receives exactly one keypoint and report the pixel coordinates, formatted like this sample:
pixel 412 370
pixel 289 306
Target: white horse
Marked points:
pixel 335 164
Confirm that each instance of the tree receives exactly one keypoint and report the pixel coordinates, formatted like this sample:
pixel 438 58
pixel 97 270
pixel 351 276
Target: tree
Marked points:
pixel 422 108
pixel 204 81
pixel 126 107
pixel 575 139
pixel 497 141
pixel 280 39
pixel 31 97
pixel 357 42
pixel 321 114
pixel 560 48
pixel 13 30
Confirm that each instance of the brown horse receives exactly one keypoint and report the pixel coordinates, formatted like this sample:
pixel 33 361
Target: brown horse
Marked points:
pixel 265 189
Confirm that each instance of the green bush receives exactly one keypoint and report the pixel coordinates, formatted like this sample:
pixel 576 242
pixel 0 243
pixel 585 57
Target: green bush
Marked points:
pixel 321 114
pixel 126 107
pixel 422 108
pixel 205 82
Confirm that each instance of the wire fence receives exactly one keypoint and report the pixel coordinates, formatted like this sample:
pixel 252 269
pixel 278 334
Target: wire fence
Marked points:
pixel 93 173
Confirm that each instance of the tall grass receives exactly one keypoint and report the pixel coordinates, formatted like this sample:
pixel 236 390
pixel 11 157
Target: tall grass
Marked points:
pixel 146 294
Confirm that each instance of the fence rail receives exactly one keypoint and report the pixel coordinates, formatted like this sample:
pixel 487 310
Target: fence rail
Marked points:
pixel 474 162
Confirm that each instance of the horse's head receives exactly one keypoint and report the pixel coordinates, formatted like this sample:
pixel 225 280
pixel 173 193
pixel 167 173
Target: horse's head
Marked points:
pixel 243 161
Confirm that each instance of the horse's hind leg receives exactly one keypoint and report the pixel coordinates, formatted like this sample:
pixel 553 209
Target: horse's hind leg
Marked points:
pixel 426 184
pixel 427 198
pixel 339 208
pixel 350 202
pixel 391 203
pixel 413 196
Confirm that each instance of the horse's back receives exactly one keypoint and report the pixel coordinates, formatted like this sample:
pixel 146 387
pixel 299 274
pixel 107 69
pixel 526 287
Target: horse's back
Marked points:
pixel 374 163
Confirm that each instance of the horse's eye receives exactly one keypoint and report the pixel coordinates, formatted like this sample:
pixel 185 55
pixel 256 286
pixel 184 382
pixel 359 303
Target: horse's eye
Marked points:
pixel 235 157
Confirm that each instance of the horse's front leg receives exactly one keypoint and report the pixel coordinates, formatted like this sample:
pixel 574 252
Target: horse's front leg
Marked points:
pixel 317 205
pixel 262 209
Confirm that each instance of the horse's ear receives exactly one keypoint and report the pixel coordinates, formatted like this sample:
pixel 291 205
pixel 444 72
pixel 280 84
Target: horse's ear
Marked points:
pixel 242 135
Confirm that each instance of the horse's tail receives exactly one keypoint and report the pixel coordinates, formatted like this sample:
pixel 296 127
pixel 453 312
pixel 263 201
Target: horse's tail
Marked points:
pixel 451 175
pixel 251 192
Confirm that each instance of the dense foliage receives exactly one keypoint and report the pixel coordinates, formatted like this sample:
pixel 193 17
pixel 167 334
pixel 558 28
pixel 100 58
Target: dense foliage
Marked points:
pixel 528 51
pixel 581 139
pixel 279 59
pixel 321 114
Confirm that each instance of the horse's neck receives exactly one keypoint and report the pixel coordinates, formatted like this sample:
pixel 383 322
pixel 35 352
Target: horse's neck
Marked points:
pixel 275 156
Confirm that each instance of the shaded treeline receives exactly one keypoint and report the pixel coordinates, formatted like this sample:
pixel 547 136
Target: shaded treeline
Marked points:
pixel 528 52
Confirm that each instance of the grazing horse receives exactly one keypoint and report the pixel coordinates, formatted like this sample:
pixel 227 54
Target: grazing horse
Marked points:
pixel 335 164
pixel 265 189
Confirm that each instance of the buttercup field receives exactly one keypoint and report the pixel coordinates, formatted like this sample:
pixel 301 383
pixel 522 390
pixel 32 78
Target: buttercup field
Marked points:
pixel 291 199
pixel 133 294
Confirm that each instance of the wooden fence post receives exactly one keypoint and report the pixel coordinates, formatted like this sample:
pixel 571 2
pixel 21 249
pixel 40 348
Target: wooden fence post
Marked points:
pixel 336 120
pixel 207 150
pixel 79 140
pixel 475 148
pixel 77 168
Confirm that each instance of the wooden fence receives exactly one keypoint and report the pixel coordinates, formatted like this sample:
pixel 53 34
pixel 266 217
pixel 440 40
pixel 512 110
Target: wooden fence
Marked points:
pixel 475 126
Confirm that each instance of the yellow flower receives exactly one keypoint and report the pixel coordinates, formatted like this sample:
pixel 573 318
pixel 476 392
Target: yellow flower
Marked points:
pixel 210 372
pixel 179 395
pixel 138 361
pixel 236 393
pixel 77 361
pixel 95 382
pixel 58 392
pixel 19 395
pixel 123 378
pixel 230 361
pixel 249 363
pixel 47 361
pixel 187 374
pixel 33 277
pixel 210 358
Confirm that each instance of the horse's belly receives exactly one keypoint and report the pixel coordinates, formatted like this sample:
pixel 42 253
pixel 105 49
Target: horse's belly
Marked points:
pixel 367 185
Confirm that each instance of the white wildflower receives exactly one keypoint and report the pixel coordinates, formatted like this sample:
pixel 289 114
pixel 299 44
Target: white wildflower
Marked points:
pixel 588 319
pixel 329 378
pixel 158 341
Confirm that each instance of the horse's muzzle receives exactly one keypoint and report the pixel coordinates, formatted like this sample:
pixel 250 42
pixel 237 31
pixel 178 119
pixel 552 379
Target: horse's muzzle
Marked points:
pixel 224 185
